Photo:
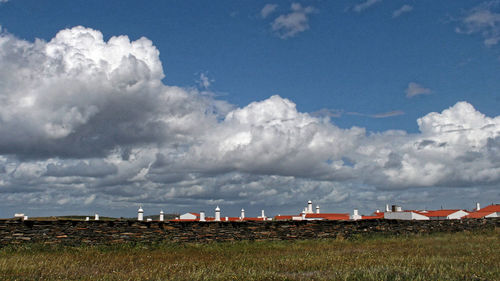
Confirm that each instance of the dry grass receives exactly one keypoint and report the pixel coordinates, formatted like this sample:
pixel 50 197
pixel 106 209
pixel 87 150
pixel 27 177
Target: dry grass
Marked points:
pixel 460 256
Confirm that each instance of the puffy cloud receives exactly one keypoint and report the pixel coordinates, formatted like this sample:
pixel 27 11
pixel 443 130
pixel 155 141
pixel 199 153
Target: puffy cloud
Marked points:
pixel 404 9
pixel 289 25
pixel 89 124
pixel 78 96
pixel 267 10
pixel 365 5
pixel 415 89
pixel 484 20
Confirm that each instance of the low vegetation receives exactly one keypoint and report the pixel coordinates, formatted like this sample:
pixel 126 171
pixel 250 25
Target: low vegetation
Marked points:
pixel 459 256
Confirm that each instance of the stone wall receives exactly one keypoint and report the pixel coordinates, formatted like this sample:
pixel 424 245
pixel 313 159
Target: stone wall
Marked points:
pixel 73 232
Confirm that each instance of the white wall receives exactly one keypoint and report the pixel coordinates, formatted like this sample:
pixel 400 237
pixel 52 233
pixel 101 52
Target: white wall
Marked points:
pixel 404 216
pixel 187 216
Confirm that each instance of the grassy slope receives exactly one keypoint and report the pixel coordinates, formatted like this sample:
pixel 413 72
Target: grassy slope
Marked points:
pixel 460 256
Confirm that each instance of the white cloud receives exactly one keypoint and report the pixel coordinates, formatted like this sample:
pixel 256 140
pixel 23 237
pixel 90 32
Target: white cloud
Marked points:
pixel 365 5
pixel 404 9
pixel 415 89
pixel 89 124
pixel 289 25
pixel 204 81
pixel 484 20
pixel 267 10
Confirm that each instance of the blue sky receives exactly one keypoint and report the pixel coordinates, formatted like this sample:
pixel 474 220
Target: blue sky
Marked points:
pixel 376 65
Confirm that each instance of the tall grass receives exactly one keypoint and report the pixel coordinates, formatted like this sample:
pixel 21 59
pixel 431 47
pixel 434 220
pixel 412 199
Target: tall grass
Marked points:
pixel 459 256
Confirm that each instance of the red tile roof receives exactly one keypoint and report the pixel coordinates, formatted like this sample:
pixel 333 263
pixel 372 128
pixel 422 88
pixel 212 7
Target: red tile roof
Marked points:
pixel 378 215
pixel 477 215
pixel 437 213
pixel 329 216
pixel 491 208
pixel 283 217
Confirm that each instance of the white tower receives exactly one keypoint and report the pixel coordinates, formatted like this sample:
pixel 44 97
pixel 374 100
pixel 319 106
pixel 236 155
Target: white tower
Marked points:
pixel 317 209
pixel 309 207
pixel 140 214
pixel 96 217
pixel 217 214
pixel 263 215
pixel 162 217
pixel 478 206
pixel 202 216
pixel 242 216
pixel 387 208
pixel 355 215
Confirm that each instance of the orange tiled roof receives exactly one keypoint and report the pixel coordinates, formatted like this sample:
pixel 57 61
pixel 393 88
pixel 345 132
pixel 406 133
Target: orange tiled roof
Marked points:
pixel 491 208
pixel 477 215
pixel 437 213
pixel 329 216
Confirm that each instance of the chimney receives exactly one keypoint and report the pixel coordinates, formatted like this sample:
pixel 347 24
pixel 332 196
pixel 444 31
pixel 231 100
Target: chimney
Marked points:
pixel 96 217
pixel 162 217
pixel 202 216
pixel 304 214
pixel 263 215
pixel 217 214
pixel 227 218
pixel 355 215
pixel 140 214
pixel 387 208
pixel 242 216
pixel 309 207
pixel 478 206
pixel 317 209
pixel 377 211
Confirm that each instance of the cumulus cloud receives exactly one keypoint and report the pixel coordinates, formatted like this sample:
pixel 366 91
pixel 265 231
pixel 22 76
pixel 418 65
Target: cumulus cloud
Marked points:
pixel 415 89
pixel 365 5
pixel 89 124
pixel 404 9
pixel 289 25
pixel 267 10
pixel 79 96
pixel 484 20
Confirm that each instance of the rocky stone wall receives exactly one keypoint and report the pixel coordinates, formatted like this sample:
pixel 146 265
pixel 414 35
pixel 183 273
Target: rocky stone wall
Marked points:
pixel 73 232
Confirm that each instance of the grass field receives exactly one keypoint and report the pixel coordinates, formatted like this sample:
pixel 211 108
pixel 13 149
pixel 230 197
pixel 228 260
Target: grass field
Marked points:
pixel 460 256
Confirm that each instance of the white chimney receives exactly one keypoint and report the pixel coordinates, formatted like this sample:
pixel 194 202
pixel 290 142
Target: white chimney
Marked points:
pixel 317 209
pixel 140 214
pixel 87 219
pixel 162 216
pixel 227 218
pixel 263 215
pixel 377 211
pixel 96 217
pixel 217 214
pixel 242 216
pixel 202 216
pixel 304 214
pixel 387 208
pixel 355 215
pixel 478 206
pixel 309 207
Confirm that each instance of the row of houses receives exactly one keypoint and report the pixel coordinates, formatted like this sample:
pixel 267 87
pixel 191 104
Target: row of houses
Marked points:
pixel 396 212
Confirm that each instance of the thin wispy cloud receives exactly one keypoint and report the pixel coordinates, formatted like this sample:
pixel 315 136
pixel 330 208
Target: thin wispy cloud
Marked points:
pixel 267 10
pixel 484 20
pixel 365 5
pixel 415 89
pixel 293 23
pixel 204 81
pixel 404 9
pixel 378 115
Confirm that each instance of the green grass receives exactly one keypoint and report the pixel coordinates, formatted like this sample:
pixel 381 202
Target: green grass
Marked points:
pixel 459 256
